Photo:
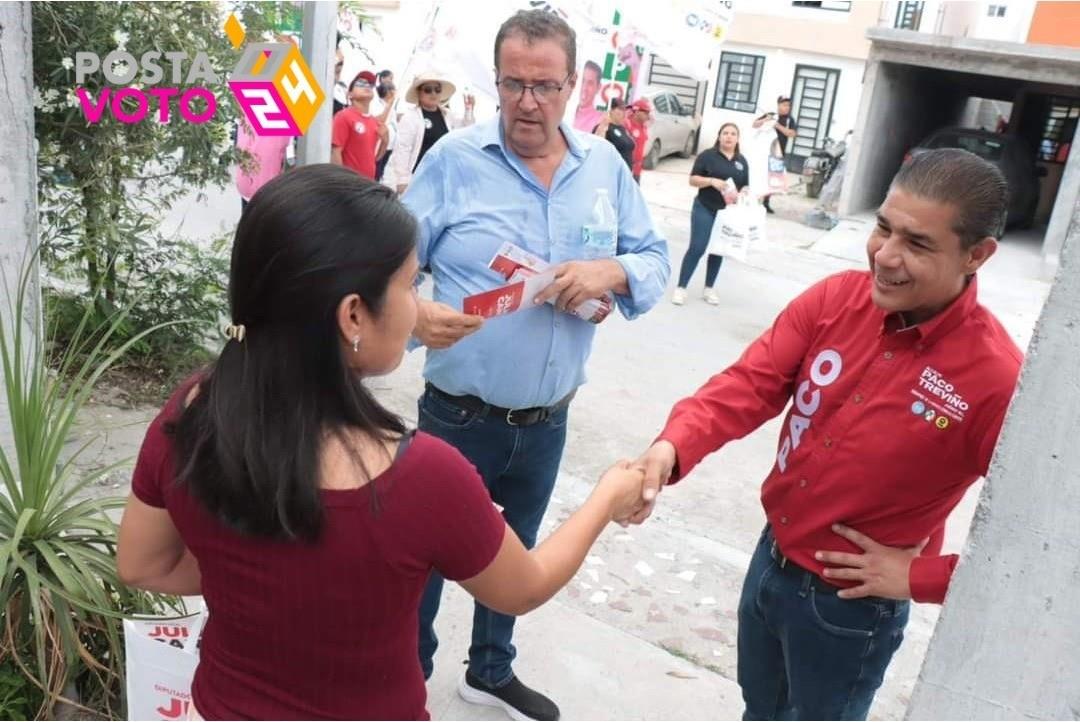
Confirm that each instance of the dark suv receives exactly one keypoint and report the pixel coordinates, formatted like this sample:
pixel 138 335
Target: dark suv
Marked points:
pixel 1009 153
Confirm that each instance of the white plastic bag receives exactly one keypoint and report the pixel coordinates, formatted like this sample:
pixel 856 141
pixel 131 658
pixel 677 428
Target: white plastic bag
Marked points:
pixel 757 148
pixel 777 170
pixel 738 229
pixel 759 237
pixel 162 654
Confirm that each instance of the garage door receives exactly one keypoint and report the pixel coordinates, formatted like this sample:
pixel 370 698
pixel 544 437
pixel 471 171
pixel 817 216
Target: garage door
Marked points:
pixel 690 92
pixel 662 75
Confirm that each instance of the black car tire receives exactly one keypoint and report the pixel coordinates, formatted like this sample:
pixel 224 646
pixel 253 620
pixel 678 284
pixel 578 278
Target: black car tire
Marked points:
pixel 652 157
pixel 688 147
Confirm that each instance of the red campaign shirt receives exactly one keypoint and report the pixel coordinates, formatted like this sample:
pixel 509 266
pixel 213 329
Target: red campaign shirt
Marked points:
pixel 640 134
pixel 358 137
pixel 888 427
pixel 327 630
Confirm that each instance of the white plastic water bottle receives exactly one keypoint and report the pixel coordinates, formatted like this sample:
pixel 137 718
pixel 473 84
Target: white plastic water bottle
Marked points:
pixel 601 234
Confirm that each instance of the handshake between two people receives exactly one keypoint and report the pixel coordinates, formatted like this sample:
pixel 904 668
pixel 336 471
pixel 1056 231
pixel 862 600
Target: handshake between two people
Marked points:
pixel 876 569
pixel 631 487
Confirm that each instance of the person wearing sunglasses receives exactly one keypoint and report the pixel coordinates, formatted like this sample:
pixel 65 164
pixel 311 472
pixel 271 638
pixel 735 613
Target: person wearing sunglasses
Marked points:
pixel 500 390
pixel 359 139
pixel 424 123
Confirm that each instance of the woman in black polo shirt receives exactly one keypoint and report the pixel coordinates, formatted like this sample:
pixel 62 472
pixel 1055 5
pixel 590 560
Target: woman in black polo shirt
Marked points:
pixel 711 171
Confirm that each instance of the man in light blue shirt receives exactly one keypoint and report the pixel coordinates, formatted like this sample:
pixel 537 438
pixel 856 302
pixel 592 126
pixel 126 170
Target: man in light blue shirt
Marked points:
pixel 499 390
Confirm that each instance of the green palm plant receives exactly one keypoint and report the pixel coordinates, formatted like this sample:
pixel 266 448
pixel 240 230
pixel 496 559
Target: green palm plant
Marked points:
pixel 61 600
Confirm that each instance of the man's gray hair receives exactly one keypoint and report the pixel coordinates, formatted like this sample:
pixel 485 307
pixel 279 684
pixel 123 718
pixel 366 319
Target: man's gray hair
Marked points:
pixel 960 178
pixel 536 25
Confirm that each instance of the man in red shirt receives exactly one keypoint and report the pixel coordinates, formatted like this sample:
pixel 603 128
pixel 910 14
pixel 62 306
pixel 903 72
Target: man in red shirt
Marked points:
pixel 638 125
pixel 359 140
pixel 900 381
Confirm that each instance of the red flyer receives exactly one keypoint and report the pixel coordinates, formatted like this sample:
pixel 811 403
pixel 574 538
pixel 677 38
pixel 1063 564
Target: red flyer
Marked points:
pixel 505 267
pixel 511 259
pixel 512 297
pixel 516 264
pixel 496 302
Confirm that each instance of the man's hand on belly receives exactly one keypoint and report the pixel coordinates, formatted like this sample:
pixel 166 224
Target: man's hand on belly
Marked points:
pixel 880 571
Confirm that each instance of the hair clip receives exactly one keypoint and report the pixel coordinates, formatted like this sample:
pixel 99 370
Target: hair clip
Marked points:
pixel 236 332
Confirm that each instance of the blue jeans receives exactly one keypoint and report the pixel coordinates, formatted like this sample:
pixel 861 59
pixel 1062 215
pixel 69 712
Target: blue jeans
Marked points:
pixel 519 465
pixel 805 653
pixel 701 223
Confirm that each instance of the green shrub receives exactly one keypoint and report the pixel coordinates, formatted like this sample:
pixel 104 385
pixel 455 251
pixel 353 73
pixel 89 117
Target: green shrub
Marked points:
pixel 171 281
pixel 61 601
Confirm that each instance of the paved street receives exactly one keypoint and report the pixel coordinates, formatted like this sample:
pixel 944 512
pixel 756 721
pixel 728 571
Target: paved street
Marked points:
pixel 647 628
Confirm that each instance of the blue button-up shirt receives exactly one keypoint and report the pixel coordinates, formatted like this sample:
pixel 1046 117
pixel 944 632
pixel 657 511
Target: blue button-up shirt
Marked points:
pixel 470 195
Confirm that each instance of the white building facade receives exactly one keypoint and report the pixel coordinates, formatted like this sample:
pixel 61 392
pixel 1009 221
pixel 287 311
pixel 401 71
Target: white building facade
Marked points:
pixel 815 52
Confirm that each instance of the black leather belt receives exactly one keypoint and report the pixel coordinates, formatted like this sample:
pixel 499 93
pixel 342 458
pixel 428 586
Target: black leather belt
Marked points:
pixel 513 417
pixel 792 568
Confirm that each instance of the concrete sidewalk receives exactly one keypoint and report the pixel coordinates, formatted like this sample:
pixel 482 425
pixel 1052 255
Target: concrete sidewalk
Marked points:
pixel 591 669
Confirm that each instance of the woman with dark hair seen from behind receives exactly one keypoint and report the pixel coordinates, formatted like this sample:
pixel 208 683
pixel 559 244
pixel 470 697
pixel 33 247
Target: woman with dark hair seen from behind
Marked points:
pixel 306 514
pixel 711 174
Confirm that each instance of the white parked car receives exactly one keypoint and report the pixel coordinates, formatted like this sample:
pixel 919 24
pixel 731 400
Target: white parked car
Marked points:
pixel 674 127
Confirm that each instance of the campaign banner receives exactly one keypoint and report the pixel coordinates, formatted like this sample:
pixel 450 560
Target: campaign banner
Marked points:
pixel 161 654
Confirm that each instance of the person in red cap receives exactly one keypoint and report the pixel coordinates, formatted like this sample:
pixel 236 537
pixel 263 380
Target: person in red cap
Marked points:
pixel 637 122
pixel 359 140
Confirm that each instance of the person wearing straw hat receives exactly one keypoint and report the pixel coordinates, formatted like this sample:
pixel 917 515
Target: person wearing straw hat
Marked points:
pixel 423 124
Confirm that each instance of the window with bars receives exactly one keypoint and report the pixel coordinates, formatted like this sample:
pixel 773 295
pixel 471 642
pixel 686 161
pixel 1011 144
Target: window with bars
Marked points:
pixel 996 11
pixel 908 15
pixel 840 6
pixel 738 82
pixel 1059 129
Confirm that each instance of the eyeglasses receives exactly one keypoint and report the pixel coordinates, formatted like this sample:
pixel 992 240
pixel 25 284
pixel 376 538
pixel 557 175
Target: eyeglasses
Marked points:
pixel 542 93
pixel 435 89
pixel 361 84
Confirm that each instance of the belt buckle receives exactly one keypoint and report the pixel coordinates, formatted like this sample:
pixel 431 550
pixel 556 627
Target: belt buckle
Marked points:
pixel 535 416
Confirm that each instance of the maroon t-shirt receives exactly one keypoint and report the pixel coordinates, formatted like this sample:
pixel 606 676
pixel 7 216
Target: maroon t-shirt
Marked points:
pixel 327 630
